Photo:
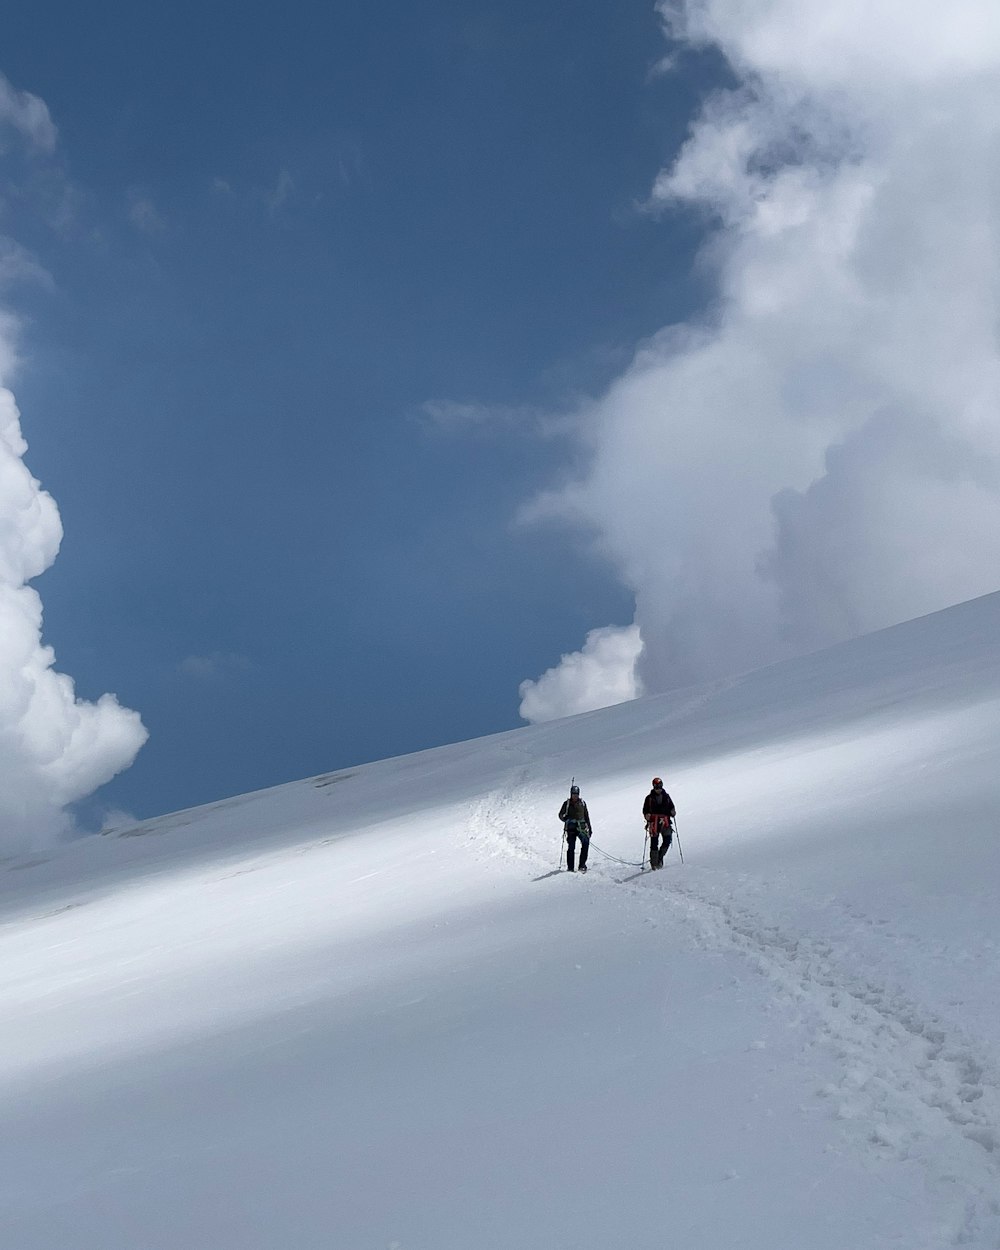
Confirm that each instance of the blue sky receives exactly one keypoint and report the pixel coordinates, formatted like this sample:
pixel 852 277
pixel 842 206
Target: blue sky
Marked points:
pixel 272 240
pixel 399 373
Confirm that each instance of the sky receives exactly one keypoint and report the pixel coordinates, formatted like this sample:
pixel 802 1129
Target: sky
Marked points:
pixel 224 1029
pixel 389 377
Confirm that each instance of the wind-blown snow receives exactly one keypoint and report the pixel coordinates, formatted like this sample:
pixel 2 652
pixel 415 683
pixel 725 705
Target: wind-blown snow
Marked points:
pixel 363 1011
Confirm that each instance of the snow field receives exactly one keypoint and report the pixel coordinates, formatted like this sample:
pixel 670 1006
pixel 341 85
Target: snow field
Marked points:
pixel 363 1010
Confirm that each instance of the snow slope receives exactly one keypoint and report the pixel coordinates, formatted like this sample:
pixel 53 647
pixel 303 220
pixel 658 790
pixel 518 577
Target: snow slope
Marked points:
pixel 363 1012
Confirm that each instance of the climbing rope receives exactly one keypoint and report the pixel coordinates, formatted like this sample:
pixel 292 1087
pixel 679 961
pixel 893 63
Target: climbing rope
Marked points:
pixel 627 862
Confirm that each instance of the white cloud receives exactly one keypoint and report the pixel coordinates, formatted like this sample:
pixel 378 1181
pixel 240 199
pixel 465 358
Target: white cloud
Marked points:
pixel 453 416
pixel 27 115
pixel 281 194
pixel 212 666
pixel 143 213
pixel 602 673
pixel 54 748
pixel 863 46
pixel 19 267
pixel 819 454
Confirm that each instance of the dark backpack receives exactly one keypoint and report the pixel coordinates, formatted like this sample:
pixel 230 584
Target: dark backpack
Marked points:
pixel 575 810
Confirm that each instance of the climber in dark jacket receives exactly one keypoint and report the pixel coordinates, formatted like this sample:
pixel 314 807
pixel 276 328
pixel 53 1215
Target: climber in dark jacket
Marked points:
pixel 659 810
pixel 576 822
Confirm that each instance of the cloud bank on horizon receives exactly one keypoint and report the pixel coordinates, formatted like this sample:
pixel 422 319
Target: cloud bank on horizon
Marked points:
pixel 54 748
pixel 818 455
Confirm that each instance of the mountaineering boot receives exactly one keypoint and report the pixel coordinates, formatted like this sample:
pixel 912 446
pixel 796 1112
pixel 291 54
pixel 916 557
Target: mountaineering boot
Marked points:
pixel 583 867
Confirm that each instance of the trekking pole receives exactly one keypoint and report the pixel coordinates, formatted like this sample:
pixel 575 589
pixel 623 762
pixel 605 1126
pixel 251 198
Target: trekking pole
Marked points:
pixel 673 821
pixel 645 845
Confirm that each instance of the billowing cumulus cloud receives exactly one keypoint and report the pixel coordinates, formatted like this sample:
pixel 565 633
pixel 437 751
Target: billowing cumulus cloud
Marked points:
pixel 822 446
pixel 54 748
pixel 601 674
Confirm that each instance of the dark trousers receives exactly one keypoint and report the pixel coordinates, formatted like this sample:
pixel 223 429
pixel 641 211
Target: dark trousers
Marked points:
pixel 659 828
pixel 573 831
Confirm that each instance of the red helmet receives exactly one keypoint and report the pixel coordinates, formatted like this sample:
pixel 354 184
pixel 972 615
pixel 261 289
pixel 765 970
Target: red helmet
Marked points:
pixel 657 783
